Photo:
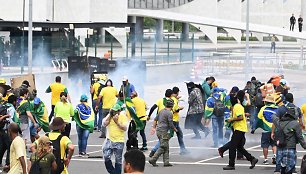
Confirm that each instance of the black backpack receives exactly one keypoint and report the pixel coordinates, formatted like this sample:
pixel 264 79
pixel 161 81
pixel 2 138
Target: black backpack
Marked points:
pixel 35 167
pixel 280 137
pixel 100 88
pixel 57 153
pixel 219 107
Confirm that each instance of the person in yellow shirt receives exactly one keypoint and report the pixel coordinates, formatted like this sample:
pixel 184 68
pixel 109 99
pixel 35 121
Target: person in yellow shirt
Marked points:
pixel 116 123
pixel 59 141
pixel 56 89
pixel 18 155
pixel 108 96
pixel 64 110
pixel 94 90
pixel 303 109
pixel 240 128
pixel 176 118
pixel 140 107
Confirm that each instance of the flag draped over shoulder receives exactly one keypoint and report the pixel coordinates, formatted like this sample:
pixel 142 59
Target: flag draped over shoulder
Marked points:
pixel 41 115
pixel 84 117
pixel 130 107
pixel 15 116
pixel 265 117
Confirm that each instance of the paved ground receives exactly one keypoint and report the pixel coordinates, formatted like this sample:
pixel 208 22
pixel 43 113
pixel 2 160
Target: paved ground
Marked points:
pixel 203 158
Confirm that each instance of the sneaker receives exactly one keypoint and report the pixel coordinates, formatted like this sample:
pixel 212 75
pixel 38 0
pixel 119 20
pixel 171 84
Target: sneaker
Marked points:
pixel 99 130
pixel 184 152
pixel 153 163
pixel 143 149
pixel 273 160
pixel 220 152
pixel 151 154
pixel 102 136
pixel 253 163
pixel 266 162
pixel 228 167
pixel 168 165
pixel 95 128
pixel 197 137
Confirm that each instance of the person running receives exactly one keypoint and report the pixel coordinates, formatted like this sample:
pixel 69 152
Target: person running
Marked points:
pixel 56 89
pixel 108 96
pixel 206 86
pixel 134 162
pixel 140 107
pixel 163 124
pixel 265 122
pixel 63 143
pixel 64 110
pixel 116 123
pixel 84 119
pixel 43 156
pixel 18 155
pixel 238 138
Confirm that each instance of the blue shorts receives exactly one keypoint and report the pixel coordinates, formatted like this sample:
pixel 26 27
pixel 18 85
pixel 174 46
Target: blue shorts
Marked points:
pixel 266 140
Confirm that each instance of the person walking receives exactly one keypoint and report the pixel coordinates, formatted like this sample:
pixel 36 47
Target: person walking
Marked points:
pixel 18 155
pixel 273 44
pixel 292 22
pixel 127 87
pixel 196 110
pixel 176 118
pixel 116 123
pixel 300 22
pixel 43 157
pixel 206 86
pixel 84 119
pixel 163 125
pixel 63 148
pixel 64 110
pixel 95 90
pixel 140 107
pixel 108 96
pixel 265 122
pixel 56 89
pixel 215 110
pixel 240 128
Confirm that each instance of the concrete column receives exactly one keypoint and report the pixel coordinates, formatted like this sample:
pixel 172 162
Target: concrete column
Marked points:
pixel 102 33
pixel 185 31
pixel 159 30
pixel 132 19
pixel 139 28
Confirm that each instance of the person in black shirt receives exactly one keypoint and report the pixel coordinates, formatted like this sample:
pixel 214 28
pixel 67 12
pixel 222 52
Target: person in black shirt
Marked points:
pixel 292 22
pixel 300 22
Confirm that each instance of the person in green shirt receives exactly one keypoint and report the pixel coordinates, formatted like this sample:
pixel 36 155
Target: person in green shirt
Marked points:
pixel 64 110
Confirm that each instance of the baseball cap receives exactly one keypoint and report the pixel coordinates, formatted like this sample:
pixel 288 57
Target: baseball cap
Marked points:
pixel 125 78
pixel 37 100
pixel 169 103
pixel 25 82
pixel 83 98
pixel 116 107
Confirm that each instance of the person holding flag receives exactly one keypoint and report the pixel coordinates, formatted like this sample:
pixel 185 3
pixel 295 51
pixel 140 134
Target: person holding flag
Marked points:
pixel 84 117
pixel 40 113
pixel 265 122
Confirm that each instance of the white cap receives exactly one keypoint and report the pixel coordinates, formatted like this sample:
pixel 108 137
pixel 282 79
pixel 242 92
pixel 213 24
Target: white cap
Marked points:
pixel 125 78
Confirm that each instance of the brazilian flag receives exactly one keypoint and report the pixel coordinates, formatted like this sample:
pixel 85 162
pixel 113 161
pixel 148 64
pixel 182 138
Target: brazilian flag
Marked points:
pixel 265 117
pixel 84 117
pixel 130 107
pixel 40 114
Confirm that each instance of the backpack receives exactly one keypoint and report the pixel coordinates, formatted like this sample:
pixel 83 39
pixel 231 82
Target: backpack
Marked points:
pixel 258 100
pixel 100 88
pixel 280 137
pixel 303 165
pixel 57 153
pixel 219 107
pixel 35 167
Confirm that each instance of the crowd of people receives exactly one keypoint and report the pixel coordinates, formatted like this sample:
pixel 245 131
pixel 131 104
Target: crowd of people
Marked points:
pixel 212 109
